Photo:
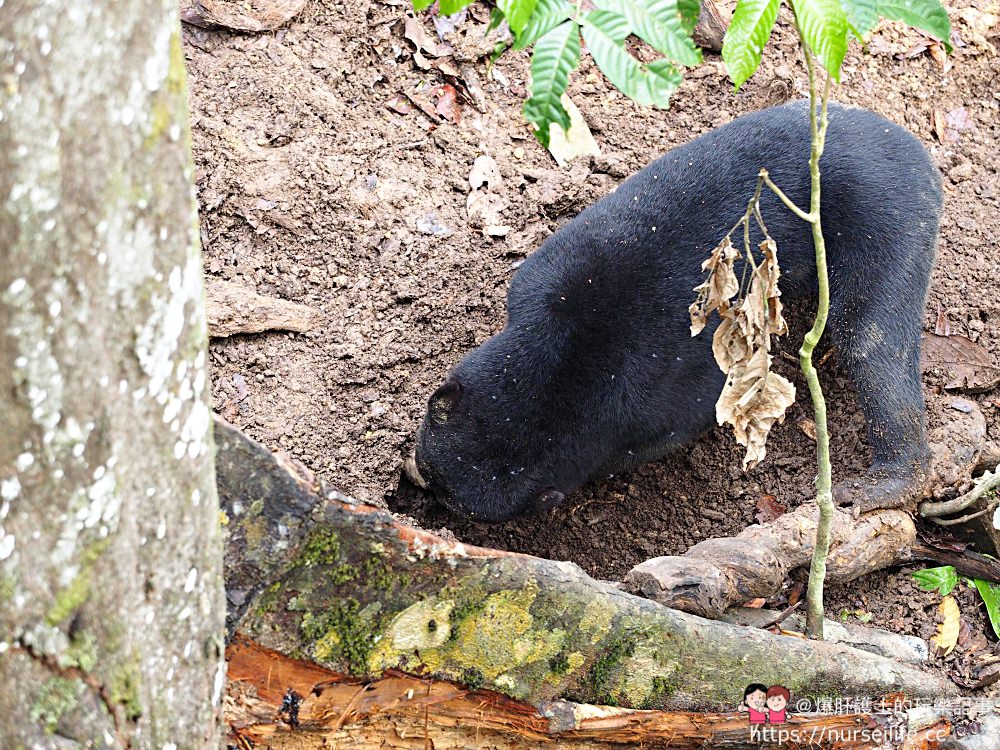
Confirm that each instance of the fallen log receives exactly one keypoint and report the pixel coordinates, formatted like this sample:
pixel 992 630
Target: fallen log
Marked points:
pixel 717 574
pixel 361 594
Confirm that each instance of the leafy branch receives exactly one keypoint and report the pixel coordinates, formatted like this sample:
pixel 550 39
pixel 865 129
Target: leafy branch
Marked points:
pixel 554 27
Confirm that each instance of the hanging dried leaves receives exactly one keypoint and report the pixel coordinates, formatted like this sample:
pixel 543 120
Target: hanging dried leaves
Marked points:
pixel 719 288
pixel 753 399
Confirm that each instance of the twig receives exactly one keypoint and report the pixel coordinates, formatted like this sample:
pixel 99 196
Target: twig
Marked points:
pixel 963 519
pixel 781 616
pixel 786 200
pixel 987 482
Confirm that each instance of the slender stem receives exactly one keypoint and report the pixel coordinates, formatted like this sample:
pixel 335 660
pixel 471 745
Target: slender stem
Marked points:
pixel 787 201
pixel 964 519
pixel 824 494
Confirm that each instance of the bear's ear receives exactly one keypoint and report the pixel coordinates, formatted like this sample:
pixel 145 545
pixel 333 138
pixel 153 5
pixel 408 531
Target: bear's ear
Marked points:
pixel 548 499
pixel 443 400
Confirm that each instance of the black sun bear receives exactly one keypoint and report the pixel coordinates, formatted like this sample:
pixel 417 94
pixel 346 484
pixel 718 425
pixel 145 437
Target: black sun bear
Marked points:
pixel 595 371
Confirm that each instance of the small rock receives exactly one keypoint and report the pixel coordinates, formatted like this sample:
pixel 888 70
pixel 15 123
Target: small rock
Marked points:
pixel 961 172
pixel 960 404
pixel 518 153
pixel 967 223
pixel 429 224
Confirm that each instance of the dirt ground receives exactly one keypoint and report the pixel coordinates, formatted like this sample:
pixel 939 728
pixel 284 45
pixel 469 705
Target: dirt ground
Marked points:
pixel 316 185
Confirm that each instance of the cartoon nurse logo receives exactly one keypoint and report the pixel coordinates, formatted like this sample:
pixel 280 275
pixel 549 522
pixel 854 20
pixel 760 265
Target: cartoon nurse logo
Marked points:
pixel 777 704
pixel 755 703
pixel 765 705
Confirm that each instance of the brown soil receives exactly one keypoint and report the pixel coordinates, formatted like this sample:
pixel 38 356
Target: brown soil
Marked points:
pixel 313 190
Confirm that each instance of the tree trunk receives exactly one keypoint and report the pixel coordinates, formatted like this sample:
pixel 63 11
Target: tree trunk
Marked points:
pixel 110 555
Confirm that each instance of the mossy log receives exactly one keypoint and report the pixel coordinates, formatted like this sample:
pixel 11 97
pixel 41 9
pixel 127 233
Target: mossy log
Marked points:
pixel 265 708
pixel 362 594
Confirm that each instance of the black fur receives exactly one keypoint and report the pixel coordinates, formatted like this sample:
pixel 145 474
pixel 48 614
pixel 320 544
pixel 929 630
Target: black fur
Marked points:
pixel 595 371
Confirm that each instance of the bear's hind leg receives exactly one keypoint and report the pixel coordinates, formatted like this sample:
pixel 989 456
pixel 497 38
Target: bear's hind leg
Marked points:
pixel 876 323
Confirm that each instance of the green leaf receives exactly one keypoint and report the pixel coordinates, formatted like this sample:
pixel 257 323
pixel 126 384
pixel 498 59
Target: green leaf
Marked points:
pixel 419 5
pixel 496 18
pixel 663 80
pixel 689 10
pixel 548 14
pixel 746 36
pixel 928 15
pixel 862 15
pixel 658 23
pixel 991 598
pixel 824 29
pixel 451 7
pixel 555 55
pixel 517 12
pixel 605 34
pixel 942 579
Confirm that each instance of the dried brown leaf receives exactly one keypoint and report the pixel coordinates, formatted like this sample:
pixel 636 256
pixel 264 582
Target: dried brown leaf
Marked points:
pixel 940 56
pixel 719 288
pixel 968 366
pixel 947 631
pixel 485 172
pixel 808 428
pixel 949 126
pixel 447 103
pixel 942 327
pixel 959 119
pixel 917 49
pixel 752 401
pixel 400 104
pixel 768 509
pixel 484 205
pixel 729 345
pixel 415 32
pixel 769 272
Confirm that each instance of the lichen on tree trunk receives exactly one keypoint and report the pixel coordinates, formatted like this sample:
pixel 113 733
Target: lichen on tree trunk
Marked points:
pixel 110 554
pixel 360 593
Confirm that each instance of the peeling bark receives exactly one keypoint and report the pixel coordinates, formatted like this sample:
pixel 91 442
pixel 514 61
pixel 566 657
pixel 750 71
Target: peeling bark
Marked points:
pixel 361 594
pixel 110 554
pixel 402 711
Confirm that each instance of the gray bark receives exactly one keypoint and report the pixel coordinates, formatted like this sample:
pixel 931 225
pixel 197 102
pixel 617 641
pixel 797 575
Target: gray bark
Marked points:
pixel 111 604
